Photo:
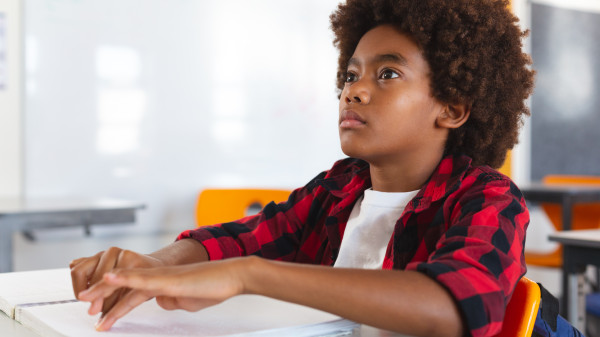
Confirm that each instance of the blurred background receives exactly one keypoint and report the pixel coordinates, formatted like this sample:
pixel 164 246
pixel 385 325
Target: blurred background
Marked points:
pixel 155 100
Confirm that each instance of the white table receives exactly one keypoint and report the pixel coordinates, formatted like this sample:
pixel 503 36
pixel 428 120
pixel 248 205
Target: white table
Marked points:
pixel 580 249
pixel 9 327
pixel 28 214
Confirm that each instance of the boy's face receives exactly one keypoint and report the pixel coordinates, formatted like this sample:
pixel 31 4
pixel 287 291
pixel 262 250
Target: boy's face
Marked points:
pixel 387 112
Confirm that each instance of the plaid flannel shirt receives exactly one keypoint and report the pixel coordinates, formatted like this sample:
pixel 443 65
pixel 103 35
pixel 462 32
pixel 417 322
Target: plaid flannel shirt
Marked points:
pixel 465 228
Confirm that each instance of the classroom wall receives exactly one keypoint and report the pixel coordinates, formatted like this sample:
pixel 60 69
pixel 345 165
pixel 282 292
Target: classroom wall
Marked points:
pixel 11 169
pixel 154 100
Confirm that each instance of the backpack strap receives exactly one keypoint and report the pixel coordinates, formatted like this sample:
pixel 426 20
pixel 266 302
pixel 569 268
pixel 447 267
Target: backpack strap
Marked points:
pixel 549 307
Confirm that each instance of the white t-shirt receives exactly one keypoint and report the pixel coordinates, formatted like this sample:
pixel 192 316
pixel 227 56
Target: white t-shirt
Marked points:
pixel 370 227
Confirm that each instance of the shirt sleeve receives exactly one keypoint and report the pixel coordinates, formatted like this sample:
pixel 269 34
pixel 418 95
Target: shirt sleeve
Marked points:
pixel 480 258
pixel 274 233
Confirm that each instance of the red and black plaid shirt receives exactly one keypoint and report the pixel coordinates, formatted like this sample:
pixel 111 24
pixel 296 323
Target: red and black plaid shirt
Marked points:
pixel 465 228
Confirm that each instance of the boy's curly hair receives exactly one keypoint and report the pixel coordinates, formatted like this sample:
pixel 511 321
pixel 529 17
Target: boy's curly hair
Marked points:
pixel 473 48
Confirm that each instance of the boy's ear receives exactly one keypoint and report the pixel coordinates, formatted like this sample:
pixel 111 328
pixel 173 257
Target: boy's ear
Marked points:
pixel 453 116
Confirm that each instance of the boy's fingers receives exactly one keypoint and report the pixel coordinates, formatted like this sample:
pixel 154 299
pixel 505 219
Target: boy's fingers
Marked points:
pixel 131 300
pixel 77 261
pixel 112 299
pixel 143 279
pixel 97 291
pixel 96 306
pixel 81 271
pixel 107 263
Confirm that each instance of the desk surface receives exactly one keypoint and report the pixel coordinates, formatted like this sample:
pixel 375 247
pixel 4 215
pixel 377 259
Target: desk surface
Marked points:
pixel 556 192
pixel 582 238
pixel 44 205
pixel 9 327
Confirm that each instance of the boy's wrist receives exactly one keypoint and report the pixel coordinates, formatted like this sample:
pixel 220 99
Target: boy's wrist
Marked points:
pixel 181 252
pixel 251 273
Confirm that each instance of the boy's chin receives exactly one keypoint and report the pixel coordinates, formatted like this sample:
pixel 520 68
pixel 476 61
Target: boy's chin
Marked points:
pixel 352 153
pixel 348 152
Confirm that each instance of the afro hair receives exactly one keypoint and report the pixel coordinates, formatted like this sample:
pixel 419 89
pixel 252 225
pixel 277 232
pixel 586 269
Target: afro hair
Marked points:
pixel 474 51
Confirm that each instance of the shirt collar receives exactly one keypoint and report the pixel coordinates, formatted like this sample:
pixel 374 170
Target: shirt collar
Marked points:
pixel 446 178
pixel 355 178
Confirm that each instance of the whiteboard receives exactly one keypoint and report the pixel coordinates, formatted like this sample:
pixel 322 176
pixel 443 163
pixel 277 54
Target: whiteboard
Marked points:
pixel 155 100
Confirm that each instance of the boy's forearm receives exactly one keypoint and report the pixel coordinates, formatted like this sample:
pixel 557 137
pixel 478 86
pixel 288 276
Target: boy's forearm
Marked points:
pixel 182 252
pixel 403 301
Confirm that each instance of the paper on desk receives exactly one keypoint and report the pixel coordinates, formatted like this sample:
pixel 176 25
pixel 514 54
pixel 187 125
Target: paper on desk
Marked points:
pixel 40 286
pixel 242 315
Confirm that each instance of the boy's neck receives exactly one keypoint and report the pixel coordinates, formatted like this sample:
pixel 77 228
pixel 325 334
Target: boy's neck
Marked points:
pixel 403 175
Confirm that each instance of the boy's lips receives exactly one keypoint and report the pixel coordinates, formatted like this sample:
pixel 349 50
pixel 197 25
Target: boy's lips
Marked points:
pixel 349 119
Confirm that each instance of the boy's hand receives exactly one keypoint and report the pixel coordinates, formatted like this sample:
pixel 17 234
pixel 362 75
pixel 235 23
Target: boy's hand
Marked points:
pixel 87 271
pixel 190 287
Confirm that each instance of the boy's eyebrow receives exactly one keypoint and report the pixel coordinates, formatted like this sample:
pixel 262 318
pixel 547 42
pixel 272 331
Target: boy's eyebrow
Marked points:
pixel 381 58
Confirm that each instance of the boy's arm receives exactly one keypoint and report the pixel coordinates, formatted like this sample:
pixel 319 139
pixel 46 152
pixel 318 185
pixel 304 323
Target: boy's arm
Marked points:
pixel 181 252
pixel 405 301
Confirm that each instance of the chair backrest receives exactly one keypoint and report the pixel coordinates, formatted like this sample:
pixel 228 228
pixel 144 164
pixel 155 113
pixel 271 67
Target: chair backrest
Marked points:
pixel 521 310
pixel 224 205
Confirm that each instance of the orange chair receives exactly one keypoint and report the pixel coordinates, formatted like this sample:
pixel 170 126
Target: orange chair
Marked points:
pixel 521 310
pixel 585 216
pixel 223 205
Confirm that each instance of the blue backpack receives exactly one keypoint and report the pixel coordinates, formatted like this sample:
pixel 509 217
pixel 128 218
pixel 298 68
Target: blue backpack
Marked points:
pixel 548 322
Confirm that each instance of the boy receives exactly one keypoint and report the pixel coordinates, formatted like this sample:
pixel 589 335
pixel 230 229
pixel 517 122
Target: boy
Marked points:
pixel 426 239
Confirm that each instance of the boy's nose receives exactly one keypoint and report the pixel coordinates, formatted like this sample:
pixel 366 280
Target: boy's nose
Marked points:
pixel 358 94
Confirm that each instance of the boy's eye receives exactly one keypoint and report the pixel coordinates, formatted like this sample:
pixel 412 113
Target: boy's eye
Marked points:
pixel 350 77
pixel 388 74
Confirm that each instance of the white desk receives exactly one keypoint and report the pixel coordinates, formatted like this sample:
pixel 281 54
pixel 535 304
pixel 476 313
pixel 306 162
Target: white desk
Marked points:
pixel 9 327
pixel 29 214
pixel 580 248
pixel 51 303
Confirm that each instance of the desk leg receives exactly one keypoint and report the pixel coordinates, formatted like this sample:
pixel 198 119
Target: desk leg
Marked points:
pixel 576 300
pixel 567 218
pixel 6 247
pixel 567 213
